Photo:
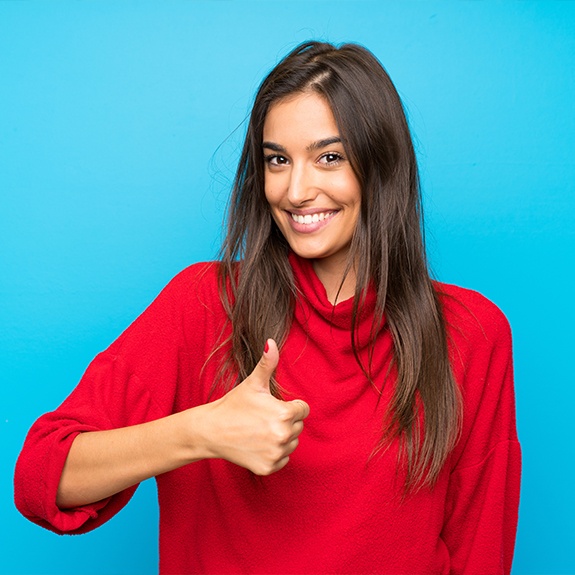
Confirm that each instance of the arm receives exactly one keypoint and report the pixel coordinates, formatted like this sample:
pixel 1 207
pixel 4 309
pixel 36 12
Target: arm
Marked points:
pixel 121 416
pixel 248 426
pixel 103 463
pixel 482 515
pixel 483 495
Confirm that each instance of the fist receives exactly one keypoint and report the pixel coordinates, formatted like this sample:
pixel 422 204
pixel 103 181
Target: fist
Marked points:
pixel 250 427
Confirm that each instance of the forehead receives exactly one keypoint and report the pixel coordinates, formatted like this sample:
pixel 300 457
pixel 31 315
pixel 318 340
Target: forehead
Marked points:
pixel 303 116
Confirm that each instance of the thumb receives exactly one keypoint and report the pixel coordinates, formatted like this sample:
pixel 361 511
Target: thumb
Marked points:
pixel 265 367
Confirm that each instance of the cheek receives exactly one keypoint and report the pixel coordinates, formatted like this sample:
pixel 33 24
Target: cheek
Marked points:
pixel 354 192
pixel 268 193
pixel 346 187
pixel 272 201
pixel 273 198
pixel 268 190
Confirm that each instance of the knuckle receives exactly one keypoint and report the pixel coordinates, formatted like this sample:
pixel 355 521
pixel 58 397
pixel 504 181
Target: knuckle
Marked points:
pixel 292 446
pixel 285 413
pixel 265 470
pixel 277 454
pixel 265 466
pixel 282 435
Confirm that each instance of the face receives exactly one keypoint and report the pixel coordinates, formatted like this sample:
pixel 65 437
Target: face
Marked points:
pixel 310 185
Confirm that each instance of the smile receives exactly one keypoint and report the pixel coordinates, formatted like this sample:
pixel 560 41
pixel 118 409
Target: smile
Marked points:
pixel 312 218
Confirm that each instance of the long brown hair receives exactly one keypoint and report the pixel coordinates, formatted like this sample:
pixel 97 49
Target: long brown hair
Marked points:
pixel 388 243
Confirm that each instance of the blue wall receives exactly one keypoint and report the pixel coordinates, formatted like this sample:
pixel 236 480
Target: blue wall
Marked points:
pixel 117 147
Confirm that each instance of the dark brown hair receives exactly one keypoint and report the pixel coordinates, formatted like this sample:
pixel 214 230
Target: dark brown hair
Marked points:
pixel 388 243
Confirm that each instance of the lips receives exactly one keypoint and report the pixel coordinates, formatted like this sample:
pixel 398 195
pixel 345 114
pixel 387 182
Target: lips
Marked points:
pixel 310 222
pixel 308 219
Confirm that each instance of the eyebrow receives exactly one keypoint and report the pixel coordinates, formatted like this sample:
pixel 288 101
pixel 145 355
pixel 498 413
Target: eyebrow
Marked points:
pixel 313 146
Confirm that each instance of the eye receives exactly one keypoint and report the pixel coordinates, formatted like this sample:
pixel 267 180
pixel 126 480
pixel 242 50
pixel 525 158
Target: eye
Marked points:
pixel 276 160
pixel 331 159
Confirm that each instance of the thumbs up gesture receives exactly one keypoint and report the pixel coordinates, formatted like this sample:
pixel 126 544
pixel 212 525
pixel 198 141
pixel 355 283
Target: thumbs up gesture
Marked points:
pixel 250 427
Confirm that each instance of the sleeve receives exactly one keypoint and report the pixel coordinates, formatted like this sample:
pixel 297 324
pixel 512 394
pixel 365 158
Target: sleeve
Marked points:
pixel 88 408
pixel 132 382
pixel 483 494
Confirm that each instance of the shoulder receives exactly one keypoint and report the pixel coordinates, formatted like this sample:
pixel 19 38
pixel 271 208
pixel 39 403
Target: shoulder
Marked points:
pixel 196 274
pixel 470 314
pixel 193 290
pixel 199 278
pixel 480 350
pixel 188 299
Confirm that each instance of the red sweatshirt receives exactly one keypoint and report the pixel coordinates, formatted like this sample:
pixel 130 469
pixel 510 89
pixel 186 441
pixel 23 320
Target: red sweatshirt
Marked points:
pixel 332 509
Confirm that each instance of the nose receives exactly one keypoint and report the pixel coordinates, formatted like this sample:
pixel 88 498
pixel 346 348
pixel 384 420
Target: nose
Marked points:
pixel 302 186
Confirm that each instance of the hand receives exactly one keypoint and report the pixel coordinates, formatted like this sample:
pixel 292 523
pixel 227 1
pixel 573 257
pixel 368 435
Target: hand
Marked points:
pixel 250 427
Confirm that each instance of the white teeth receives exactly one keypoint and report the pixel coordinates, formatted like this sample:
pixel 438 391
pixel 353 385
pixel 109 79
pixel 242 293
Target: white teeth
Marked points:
pixel 311 219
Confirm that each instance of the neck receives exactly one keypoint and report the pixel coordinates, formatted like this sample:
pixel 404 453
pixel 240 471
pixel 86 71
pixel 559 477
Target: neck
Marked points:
pixel 332 276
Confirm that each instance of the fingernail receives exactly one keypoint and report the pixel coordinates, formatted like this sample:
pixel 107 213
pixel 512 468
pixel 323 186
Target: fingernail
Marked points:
pixel 267 347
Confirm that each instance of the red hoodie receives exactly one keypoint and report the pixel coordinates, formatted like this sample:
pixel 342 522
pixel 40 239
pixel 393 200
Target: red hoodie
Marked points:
pixel 333 508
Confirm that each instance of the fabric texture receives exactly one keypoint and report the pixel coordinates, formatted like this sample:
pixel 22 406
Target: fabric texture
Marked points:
pixel 336 507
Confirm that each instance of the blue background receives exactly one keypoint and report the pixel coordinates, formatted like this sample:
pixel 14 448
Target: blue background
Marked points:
pixel 118 143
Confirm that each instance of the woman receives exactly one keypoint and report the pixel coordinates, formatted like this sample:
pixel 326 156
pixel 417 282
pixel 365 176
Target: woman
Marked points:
pixel 408 461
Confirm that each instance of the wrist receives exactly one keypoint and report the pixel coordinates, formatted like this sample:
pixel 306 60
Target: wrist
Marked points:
pixel 194 433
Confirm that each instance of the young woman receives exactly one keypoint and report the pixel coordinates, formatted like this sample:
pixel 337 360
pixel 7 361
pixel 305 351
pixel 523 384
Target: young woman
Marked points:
pixel 313 402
